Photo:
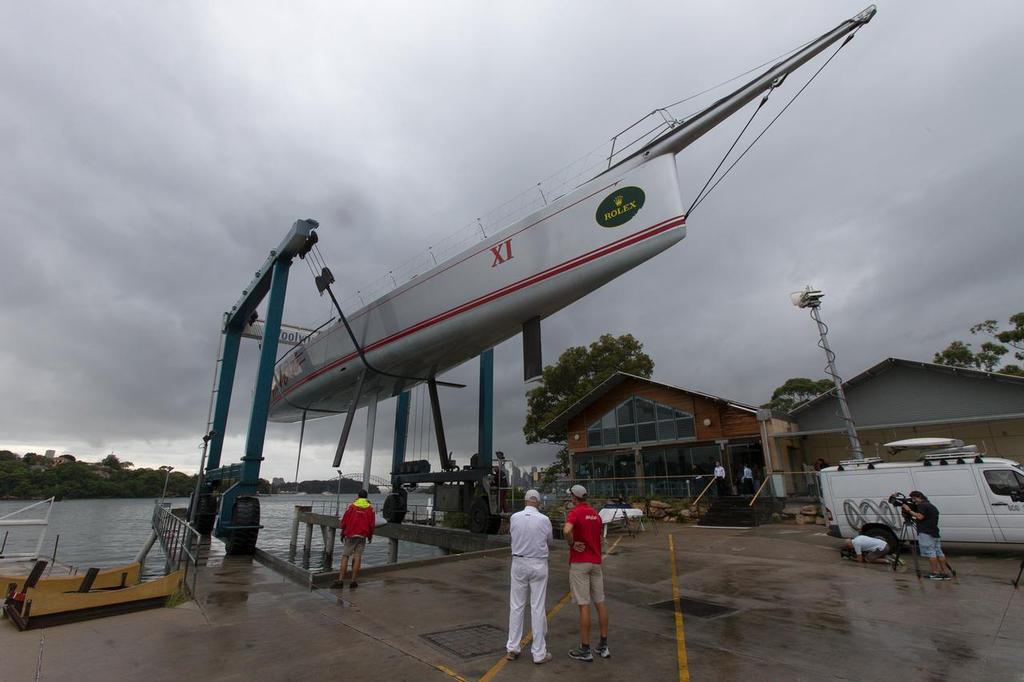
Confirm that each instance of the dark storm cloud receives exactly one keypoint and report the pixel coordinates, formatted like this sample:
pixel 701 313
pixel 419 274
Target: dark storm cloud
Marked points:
pixel 152 156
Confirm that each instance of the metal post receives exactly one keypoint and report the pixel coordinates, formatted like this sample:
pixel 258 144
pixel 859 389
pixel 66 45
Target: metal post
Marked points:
pixel 371 426
pixel 337 498
pixel 401 431
pixel 485 437
pixel 167 478
pixel 392 550
pixel 851 430
pixel 225 384
pixel 349 416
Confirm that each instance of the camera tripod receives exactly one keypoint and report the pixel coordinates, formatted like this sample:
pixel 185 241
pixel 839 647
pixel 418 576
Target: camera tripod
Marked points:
pixel 906 535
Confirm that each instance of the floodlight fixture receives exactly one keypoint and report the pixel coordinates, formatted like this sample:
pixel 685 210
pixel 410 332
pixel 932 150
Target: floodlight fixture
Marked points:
pixel 808 298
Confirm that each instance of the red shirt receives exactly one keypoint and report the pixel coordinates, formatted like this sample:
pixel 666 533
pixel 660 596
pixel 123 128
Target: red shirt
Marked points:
pixel 358 522
pixel 586 528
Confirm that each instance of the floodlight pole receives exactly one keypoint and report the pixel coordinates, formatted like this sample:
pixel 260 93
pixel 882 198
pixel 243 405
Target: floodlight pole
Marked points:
pixel 814 303
pixel 811 298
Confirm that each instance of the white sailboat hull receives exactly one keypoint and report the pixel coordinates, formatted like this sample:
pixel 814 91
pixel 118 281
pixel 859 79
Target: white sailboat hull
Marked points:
pixel 482 296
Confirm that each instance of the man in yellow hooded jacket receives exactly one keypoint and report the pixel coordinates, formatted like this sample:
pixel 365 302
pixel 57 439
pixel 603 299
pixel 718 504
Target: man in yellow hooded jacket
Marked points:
pixel 356 530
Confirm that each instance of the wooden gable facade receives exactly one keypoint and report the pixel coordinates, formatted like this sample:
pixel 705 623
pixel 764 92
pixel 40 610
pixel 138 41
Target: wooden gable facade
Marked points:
pixel 714 420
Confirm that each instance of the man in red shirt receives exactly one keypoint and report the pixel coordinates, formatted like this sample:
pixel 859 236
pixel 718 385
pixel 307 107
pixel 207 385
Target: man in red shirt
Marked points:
pixel 356 529
pixel 583 533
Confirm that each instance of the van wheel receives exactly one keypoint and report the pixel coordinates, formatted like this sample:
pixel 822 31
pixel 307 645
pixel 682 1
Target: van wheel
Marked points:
pixel 884 534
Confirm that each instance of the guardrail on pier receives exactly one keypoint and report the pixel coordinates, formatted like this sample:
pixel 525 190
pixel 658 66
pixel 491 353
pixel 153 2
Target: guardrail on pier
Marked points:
pixel 179 540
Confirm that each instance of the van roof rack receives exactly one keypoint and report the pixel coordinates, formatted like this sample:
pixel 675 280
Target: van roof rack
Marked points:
pixel 869 461
pixel 961 455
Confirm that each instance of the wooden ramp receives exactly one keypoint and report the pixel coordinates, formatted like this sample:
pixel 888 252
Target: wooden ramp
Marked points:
pixel 107 578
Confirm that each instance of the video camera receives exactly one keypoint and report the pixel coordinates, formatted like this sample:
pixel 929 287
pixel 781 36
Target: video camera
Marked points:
pixel 898 500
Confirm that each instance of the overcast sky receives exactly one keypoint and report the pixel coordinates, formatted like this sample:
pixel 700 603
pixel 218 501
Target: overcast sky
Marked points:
pixel 152 154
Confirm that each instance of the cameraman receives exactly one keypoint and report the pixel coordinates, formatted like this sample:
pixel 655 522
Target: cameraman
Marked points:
pixel 927 518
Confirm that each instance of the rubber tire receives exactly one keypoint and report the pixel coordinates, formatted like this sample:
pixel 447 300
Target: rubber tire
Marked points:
pixel 480 518
pixel 395 507
pixel 884 534
pixel 246 513
pixel 494 526
pixel 206 513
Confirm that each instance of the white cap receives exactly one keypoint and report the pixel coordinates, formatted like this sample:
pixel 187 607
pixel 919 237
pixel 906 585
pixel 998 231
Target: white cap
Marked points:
pixel 532 495
pixel 577 490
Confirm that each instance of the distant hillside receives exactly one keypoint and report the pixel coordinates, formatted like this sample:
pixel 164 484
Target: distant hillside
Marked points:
pixel 348 486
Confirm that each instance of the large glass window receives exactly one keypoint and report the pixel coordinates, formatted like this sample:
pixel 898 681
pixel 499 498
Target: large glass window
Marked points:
pixel 625 465
pixel 654 463
pixel 639 420
pixel 582 468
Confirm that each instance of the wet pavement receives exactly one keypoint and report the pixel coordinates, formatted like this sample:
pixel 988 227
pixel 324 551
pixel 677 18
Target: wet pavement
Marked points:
pixel 773 603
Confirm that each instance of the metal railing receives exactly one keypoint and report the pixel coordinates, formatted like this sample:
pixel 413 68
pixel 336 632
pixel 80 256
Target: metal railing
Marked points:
pixel 179 540
pixel 7 522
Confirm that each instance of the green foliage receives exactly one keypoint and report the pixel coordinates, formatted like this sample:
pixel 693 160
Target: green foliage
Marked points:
pixel 558 469
pixel 32 478
pixel 578 370
pixel 797 391
pixel 990 354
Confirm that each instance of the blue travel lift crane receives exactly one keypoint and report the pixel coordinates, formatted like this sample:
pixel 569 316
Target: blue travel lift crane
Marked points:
pixel 235 516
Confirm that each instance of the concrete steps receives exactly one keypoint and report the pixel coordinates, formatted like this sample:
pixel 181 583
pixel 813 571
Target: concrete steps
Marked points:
pixel 735 510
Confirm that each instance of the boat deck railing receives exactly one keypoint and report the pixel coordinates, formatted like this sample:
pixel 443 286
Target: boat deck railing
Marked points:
pixel 180 541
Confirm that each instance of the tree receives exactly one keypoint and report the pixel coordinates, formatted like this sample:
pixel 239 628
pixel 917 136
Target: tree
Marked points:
pixel 990 354
pixel 578 370
pixel 797 391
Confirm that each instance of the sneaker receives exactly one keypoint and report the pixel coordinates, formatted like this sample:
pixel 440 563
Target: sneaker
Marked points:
pixel 582 654
pixel 339 584
pixel 937 576
pixel 354 585
pixel 945 576
pixel 547 658
pixel 603 652
pixel 512 655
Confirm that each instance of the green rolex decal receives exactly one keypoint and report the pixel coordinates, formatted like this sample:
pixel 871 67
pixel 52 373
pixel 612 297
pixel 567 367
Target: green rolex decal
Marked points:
pixel 620 206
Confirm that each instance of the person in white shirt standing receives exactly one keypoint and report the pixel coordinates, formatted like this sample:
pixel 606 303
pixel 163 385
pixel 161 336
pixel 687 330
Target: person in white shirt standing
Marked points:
pixel 531 535
pixel 720 484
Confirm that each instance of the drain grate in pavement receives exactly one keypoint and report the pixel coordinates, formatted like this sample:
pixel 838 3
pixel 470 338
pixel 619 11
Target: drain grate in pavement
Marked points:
pixel 469 642
pixel 696 607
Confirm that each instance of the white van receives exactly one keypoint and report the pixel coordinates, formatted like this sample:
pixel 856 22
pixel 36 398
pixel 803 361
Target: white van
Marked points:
pixel 979 498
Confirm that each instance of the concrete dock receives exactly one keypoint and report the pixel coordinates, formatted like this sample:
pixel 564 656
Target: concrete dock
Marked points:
pixel 771 603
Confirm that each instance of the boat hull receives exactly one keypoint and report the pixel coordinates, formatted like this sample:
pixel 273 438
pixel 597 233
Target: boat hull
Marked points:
pixel 483 296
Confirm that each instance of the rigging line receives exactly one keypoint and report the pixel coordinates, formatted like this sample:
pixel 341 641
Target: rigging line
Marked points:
pixel 302 341
pixel 770 123
pixel 726 82
pixel 697 199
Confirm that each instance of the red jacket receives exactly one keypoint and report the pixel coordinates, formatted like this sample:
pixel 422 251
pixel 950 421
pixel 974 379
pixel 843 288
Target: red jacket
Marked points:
pixel 358 521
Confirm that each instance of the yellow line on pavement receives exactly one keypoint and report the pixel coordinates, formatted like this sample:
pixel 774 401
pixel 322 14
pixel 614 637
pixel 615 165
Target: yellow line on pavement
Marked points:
pixel 450 673
pixel 684 670
pixel 497 667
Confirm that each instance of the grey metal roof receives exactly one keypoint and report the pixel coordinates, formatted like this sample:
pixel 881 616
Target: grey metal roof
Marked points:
pixel 562 421
pixel 898 391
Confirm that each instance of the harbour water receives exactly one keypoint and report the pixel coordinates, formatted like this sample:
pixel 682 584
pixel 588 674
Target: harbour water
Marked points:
pixel 110 532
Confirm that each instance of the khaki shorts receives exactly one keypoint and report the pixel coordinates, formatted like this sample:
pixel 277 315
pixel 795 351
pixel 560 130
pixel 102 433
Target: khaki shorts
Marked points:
pixel 353 546
pixel 586 582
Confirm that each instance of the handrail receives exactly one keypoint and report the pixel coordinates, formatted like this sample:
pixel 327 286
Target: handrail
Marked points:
pixel 706 488
pixel 763 484
pixel 179 540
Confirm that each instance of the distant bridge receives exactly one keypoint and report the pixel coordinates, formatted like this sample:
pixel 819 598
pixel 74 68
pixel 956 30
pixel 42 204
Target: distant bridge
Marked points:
pixel 379 481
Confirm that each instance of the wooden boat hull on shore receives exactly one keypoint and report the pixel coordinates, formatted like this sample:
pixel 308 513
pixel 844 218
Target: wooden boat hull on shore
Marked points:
pixel 41 608
pixel 108 578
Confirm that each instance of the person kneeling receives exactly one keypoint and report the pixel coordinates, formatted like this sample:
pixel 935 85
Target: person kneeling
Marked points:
pixel 866 549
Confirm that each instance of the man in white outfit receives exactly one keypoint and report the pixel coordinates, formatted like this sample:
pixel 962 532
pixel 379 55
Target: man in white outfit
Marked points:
pixel 531 535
